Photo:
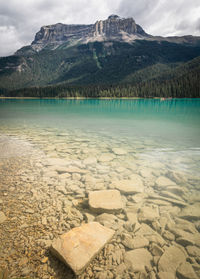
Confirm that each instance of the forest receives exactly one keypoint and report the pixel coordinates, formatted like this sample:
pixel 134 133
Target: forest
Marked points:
pixel 180 82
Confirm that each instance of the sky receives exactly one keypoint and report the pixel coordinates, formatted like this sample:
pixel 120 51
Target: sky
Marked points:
pixel 21 19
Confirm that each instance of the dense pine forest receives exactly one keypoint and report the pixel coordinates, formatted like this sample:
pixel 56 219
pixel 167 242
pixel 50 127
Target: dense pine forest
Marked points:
pixel 179 82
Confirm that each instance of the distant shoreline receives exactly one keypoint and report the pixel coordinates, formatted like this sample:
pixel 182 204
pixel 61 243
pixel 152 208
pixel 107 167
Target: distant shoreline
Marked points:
pixel 85 98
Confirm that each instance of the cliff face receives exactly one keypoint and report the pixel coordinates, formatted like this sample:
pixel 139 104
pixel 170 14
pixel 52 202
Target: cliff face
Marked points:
pixel 113 28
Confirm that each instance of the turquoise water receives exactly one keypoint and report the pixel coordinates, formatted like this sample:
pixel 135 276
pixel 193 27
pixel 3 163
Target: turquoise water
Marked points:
pixel 174 122
pixel 154 128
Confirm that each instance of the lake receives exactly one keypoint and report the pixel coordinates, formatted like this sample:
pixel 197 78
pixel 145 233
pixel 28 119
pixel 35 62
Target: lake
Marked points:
pixel 54 152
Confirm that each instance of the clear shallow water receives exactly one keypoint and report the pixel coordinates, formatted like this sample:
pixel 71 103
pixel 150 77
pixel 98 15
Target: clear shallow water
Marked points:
pixel 53 152
pixel 159 130
pixel 177 118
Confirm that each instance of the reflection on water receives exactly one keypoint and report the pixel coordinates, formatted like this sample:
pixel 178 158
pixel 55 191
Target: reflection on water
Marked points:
pixel 59 150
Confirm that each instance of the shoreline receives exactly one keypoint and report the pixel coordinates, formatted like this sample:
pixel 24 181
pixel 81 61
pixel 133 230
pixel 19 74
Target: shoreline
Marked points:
pixel 85 98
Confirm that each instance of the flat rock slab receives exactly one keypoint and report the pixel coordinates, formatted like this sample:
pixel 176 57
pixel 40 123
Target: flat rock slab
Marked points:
pixel 191 212
pixel 108 201
pixel 128 187
pixel 56 162
pixel 166 275
pixel 163 181
pixel 78 247
pixel 171 259
pixel 193 251
pixel 119 151
pixel 106 157
pixel 185 270
pixel 138 260
pixel 148 214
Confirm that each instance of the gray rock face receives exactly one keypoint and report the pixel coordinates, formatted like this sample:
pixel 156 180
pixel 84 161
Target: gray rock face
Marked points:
pixel 113 28
pixel 78 247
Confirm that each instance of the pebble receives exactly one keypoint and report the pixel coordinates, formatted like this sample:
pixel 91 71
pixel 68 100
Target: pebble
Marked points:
pixel 2 217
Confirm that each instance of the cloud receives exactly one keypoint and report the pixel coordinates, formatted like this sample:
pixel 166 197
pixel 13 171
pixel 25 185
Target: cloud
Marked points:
pixel 163 17
pixel 20 20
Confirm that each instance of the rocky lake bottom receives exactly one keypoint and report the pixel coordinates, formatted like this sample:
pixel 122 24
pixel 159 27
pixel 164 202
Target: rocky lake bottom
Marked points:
pixel 46 180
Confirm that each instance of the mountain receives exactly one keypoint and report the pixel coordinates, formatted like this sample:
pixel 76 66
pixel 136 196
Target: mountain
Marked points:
pixel 111 51
pixel 114 28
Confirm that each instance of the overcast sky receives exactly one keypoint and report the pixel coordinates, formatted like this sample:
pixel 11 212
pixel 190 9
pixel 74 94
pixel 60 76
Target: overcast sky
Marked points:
pixel 21 19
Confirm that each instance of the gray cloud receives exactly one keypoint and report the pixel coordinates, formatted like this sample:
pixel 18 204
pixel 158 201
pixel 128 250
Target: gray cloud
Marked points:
pixel 20 20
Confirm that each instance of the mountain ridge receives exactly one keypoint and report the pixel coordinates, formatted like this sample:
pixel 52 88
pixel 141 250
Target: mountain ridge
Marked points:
pixel 114 28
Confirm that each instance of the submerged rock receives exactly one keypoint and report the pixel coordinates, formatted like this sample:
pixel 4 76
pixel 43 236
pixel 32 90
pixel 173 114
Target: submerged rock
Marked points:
pixel 185 271
pixel 166 275
pixel 162 182
pixel 106 157
pixel 107 220
pixel 105 201
pixel 139 242
pixel 193 251
pixel 148 214
pixel 138 260
pixel 119 151
pixel 171 259
pixel 78 247
pixel 90 161
pixel 191 212
pixel 128 187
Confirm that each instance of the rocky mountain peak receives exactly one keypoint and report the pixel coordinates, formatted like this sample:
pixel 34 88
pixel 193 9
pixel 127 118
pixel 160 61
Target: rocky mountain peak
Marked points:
pixel 114 17
pixel 118 28
pixel 113 28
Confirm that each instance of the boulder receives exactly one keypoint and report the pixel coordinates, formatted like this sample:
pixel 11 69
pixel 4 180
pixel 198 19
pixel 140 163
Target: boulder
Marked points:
pixel 138 260
pixel 78 247
pixel 171 259
pixel 108 201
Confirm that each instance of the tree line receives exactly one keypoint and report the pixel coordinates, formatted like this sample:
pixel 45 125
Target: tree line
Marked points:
pixel 185 86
